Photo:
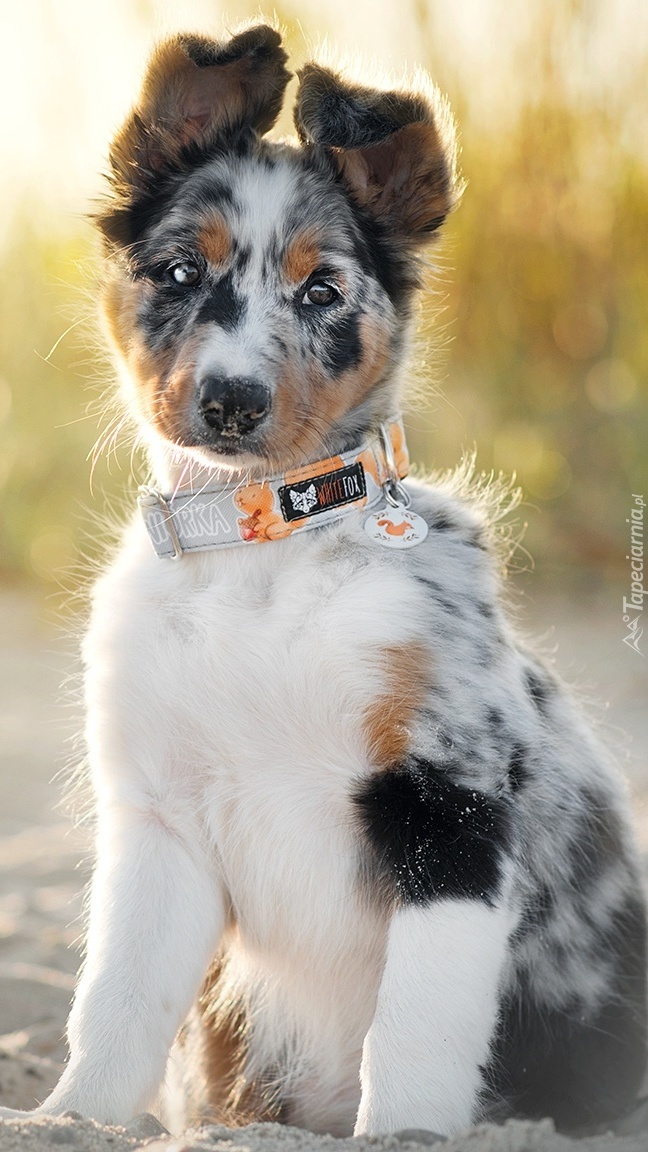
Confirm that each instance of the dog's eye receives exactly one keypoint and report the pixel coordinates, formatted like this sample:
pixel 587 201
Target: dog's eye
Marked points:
pixel 320 293
pixel 186 274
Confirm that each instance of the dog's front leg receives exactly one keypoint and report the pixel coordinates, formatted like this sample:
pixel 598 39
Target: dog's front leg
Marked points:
pixel 435 1017
pixel 155 920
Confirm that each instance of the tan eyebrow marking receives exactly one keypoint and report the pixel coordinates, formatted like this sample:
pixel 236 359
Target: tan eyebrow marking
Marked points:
pixel 215 241
pixel 301 257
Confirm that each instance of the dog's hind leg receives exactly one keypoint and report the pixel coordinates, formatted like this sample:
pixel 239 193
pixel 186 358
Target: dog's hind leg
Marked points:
pixel 206 1081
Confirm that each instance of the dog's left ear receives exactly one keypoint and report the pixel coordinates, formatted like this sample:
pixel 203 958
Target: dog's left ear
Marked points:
pixel 396 152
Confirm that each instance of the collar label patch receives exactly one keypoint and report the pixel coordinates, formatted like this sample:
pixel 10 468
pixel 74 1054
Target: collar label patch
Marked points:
pixel 318 493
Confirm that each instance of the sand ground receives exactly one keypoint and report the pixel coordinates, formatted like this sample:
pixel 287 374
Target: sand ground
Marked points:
pixel 44 865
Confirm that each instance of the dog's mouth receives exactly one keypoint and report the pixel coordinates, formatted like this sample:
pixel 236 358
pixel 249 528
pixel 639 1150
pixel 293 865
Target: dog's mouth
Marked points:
pixel 231 444
pixel 258 453
pixel 237 451
pixel 253 453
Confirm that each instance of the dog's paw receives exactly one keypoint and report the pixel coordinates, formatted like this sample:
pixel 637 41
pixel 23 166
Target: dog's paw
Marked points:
pixel 41 1110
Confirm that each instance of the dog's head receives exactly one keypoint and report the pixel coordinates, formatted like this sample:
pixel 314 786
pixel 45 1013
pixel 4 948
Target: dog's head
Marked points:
pixel 259 293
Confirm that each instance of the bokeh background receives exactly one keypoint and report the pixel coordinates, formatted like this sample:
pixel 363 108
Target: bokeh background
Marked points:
pixel 533 349
pixel 532 338
pixel 535 343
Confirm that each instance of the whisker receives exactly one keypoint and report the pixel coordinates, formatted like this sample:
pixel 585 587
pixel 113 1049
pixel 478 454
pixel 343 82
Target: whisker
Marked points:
pixel 74 324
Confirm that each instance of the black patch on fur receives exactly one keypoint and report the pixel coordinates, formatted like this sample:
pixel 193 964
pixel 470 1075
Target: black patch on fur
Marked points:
pixel 433 584
pixel 438 598
pixel 448 606
pixel 484 655
pixel 536 915
pixel 260 43
pixel 164 314
pixel 432 838
pixel 597 842
pixel 338 114
pixel 208 192
pixel 242 257
pixel 539 689
pixel 581 1068
pixel 441 523
pixel 125 226
pixel 378 255
pixel 435 223
pixel 223 306
pixel 342 345
pixel 495 719
pixel 476 540
pixel 518 772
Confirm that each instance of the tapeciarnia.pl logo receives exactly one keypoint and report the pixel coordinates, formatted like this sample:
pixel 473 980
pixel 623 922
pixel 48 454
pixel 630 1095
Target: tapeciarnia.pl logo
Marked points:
pixel 633 605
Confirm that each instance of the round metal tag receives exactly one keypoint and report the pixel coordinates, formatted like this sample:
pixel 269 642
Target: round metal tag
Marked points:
pixel 396 527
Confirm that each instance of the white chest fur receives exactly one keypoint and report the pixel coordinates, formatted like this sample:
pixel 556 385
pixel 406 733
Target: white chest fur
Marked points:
pixel 229 693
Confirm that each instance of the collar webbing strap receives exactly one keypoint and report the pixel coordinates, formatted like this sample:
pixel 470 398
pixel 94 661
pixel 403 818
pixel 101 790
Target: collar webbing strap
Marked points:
pixel 278 506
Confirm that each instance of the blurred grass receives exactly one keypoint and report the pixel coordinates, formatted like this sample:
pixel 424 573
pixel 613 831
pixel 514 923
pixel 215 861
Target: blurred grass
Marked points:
pixel 544 357
pixel 548 361
pixel 50 413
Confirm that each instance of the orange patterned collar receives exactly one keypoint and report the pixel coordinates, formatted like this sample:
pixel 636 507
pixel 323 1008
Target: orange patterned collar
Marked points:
pixel 278 506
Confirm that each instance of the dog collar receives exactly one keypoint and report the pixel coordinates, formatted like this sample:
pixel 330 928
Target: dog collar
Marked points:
pixel 281 505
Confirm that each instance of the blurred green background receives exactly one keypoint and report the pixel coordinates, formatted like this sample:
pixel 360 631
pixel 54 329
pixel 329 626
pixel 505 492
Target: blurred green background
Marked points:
pixel 533 337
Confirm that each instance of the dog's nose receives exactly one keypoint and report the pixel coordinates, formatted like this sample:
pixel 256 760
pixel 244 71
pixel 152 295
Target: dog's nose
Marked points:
pixel 233 405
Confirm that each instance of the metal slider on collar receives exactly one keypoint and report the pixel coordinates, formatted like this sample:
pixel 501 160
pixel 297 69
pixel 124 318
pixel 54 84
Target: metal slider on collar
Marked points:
pixel 149 498
pixel 395 493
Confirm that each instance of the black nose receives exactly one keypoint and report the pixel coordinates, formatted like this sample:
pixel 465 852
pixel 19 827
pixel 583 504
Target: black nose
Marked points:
pixel 233 405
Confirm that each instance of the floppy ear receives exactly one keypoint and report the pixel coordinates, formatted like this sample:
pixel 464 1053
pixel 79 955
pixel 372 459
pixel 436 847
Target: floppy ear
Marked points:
pixel 395 151
pixel 195 93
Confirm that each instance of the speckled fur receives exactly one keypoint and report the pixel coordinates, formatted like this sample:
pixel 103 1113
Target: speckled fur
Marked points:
pixel 409 933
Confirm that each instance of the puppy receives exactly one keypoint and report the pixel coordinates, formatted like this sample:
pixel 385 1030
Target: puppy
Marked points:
pixel 358 854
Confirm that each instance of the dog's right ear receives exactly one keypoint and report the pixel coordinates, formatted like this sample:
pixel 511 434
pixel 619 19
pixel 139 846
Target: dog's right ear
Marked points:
pixel 195 93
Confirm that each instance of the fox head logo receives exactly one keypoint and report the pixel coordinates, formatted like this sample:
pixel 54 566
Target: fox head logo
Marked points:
pixel 304 501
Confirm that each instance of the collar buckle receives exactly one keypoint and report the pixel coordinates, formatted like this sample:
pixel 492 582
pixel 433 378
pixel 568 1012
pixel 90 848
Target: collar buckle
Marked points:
pixel 151 499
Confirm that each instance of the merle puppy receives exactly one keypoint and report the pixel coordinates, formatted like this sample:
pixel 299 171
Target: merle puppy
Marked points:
pixel 358 853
